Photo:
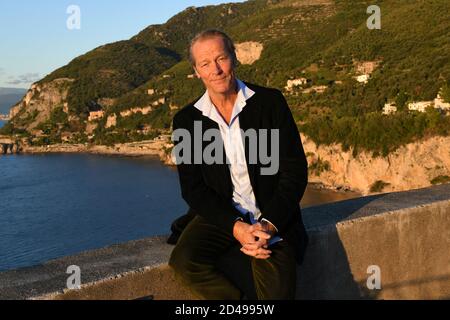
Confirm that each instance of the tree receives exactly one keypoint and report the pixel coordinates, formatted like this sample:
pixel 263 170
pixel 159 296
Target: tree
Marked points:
pixel 401 100
pixel 445 92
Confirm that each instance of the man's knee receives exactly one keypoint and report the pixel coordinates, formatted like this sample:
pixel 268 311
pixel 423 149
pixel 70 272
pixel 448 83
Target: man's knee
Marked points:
pixel 275 278
pixel 179 259
pixel 183 261
pixel 275 285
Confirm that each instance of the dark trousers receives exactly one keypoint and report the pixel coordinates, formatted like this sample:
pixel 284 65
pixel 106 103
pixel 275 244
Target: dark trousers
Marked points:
pixel 209 262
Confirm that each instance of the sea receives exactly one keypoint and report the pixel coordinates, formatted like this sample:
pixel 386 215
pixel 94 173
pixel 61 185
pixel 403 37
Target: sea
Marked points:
pixel 54 205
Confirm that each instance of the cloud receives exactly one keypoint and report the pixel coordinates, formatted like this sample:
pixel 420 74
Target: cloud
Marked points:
pixel 26 78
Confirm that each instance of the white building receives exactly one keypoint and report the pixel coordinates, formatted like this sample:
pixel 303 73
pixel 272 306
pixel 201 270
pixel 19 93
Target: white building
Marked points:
pixel 295 82
pixel 94 115
pixel 439 103
pixel 364 78
pixel 420 106
pixel 317 89
pixel 389 108
pixel 129 112
pixel 111 121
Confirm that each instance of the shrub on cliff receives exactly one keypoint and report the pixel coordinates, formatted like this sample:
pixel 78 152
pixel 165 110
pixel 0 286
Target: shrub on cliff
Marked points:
pixel 378 186
pixel 440 180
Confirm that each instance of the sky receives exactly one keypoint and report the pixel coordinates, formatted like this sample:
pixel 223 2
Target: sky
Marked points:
pixel 37 37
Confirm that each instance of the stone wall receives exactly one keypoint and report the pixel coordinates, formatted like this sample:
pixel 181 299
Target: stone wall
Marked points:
pixel 405 234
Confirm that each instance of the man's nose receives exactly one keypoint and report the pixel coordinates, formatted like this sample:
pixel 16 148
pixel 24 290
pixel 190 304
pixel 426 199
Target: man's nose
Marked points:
pixel 217 68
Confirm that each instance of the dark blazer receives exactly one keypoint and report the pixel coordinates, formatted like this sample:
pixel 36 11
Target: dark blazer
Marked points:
pixel 208 189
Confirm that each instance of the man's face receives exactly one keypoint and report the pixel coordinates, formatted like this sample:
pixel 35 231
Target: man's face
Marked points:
pixel 214 65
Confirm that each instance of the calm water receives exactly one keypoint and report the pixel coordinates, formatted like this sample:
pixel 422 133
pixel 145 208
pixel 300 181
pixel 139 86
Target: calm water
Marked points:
pixel 2 123
pixel 55 205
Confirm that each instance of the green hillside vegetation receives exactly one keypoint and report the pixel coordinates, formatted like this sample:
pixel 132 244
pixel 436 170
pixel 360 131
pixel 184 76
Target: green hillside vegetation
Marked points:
pixel 111 71
pixel 320 42
pixel 177 31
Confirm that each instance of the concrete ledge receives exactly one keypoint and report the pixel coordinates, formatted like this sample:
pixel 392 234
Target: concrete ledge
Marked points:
pixel 406 234
pixel 125 271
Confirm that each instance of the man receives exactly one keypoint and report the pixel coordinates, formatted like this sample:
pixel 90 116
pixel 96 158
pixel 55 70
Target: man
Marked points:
pixel 230 249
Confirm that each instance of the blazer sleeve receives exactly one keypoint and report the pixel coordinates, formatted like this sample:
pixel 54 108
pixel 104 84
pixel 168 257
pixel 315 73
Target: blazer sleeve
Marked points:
pixel 204 200
pixel 293 169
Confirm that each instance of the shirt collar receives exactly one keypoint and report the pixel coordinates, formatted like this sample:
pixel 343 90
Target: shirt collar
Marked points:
pixel 205 105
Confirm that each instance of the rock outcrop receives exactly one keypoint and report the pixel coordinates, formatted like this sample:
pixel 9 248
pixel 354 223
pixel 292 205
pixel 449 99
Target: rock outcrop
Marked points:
pixel 39 102
pixel 9 145
pixel 411 166
pixel 248 52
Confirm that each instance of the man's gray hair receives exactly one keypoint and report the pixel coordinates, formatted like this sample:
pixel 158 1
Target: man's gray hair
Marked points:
pixel 212 33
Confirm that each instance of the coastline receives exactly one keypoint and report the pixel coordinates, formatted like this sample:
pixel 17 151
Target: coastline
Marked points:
pixel 153 148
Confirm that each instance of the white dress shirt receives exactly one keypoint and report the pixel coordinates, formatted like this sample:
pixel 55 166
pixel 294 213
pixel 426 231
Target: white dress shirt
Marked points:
pixel 243 196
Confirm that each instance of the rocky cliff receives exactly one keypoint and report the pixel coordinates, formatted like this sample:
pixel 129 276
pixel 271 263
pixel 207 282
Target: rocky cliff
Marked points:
pixel 39 102
pixel 412 166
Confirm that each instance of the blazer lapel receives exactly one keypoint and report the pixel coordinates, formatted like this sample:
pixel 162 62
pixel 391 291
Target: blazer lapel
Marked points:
pixel 222 169
pixel 248 119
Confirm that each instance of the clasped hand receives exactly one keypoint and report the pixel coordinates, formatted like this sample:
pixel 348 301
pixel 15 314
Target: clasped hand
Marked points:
pixel 253 238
